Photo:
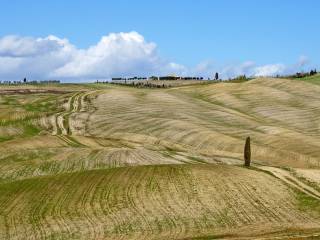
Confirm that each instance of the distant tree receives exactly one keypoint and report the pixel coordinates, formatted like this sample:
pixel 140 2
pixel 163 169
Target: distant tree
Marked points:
pixel 247 153
pixel 24 80
pixel 313 72
pixel 240 78
pixel 216 76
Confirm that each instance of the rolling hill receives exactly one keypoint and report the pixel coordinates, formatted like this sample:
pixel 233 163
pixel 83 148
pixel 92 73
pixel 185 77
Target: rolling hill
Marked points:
pixel 100 161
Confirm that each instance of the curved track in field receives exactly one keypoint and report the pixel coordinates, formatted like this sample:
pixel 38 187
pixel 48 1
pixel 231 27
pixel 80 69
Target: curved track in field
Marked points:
pixel 61 124
pixel 61 121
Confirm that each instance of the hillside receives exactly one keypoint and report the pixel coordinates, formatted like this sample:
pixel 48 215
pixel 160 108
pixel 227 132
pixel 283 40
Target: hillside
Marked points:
pixel 315 79
pixel 175 201
pixel 101 161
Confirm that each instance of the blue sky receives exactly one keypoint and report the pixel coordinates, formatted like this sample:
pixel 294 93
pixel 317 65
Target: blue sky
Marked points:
pixel 215 35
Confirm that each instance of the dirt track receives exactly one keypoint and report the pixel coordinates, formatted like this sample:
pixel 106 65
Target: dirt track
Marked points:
pixel 292 181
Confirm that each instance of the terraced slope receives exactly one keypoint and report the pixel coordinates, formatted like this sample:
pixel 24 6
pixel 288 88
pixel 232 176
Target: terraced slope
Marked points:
pixel 155 202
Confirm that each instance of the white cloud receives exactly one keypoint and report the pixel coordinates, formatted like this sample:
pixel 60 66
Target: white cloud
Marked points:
pixel 269 70
pixel 35 57
pixel 117 54
pixel 122 53
pixel 14 46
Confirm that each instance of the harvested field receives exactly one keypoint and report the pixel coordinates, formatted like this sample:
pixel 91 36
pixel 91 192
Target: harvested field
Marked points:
pixel 116 162
pixel 214 119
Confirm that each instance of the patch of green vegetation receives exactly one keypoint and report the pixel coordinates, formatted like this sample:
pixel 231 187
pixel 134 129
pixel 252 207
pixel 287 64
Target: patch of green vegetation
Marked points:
pixel 28 107
pixel 26 163
pixel 5 138
pixel 308 203
pixel 9 101
pixel 31 130
pixel 315 79
pixel 47 104
pixel 31 103
pixel 22 111
pixel 40 107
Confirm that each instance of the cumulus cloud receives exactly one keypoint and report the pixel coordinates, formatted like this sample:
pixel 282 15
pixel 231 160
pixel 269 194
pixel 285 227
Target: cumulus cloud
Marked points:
pixel 38 57
pixel 121 53
pixel 52 57
pixel 14 46
pixel 116 54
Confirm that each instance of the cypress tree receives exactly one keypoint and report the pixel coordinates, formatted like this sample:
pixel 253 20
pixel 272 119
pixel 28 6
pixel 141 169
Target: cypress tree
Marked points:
pixel 216 77
pixel 247 153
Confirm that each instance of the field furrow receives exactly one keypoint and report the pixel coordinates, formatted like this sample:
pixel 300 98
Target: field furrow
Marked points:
pixel 156 201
